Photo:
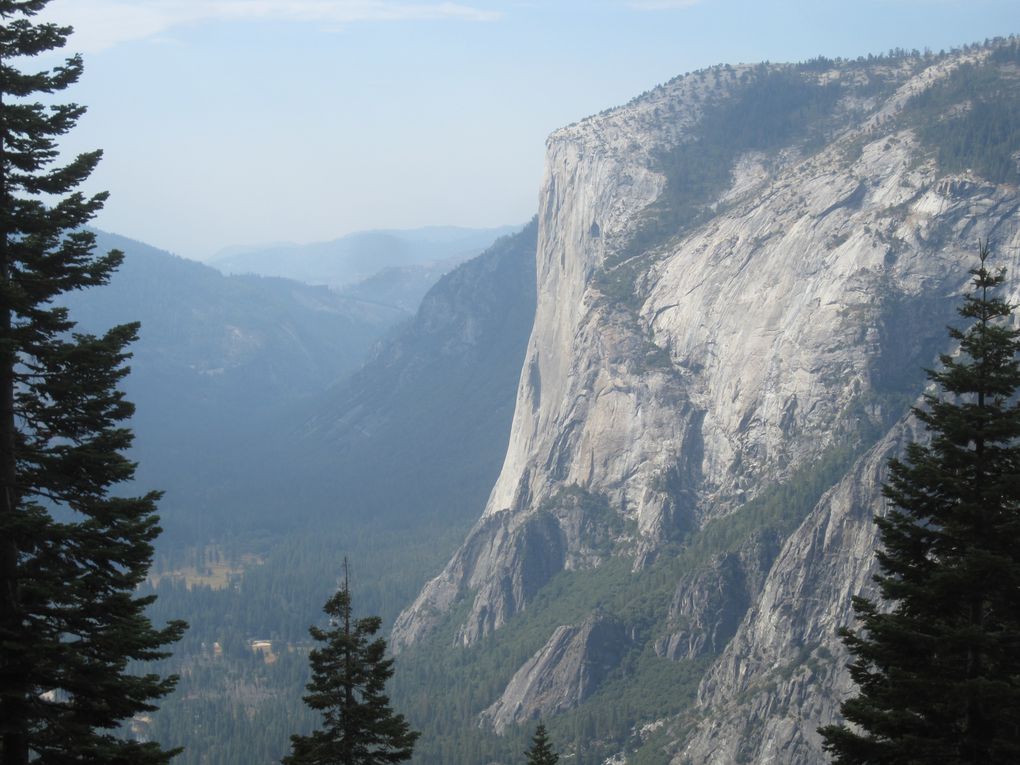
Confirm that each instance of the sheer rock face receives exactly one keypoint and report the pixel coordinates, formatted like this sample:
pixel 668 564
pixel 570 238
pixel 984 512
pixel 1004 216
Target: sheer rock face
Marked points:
pixel 759 339
pixel 568 669
pixel 585 415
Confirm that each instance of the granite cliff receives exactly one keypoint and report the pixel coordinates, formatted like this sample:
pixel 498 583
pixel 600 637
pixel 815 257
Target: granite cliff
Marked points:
pixel 741 275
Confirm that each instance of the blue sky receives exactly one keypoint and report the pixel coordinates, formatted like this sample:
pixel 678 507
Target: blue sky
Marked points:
pixel 239 122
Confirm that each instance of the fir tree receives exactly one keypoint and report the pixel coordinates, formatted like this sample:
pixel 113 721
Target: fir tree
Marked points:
pixel 348 686
pixel 71 554
pixel 541 752
pixel 938 668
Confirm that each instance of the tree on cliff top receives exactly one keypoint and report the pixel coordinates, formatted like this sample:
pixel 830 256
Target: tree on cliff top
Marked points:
pixel 349 674
pixel 71 555
pixel 939 671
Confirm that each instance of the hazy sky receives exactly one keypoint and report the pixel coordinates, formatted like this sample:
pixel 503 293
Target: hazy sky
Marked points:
pixel 235 122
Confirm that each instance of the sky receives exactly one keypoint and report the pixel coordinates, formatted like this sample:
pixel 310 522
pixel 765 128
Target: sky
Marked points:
pixel 230 123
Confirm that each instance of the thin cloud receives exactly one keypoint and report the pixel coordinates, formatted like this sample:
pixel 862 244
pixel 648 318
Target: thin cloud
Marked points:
pixel 101 24
pixel 662 5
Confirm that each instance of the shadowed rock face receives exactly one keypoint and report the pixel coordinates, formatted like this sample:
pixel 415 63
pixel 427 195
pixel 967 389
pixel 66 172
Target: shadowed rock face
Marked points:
pixel 566 671
pixel 788 319
pixel 709 605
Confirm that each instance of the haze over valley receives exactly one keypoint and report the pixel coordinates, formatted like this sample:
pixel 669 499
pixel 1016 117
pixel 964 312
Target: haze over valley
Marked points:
pixel 614 470
pixel 676 469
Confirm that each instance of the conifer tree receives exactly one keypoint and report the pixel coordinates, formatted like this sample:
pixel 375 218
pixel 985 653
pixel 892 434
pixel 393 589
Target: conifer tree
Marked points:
pixel 71 552
pixel 938 667
pixel 348 686
pixel 541 752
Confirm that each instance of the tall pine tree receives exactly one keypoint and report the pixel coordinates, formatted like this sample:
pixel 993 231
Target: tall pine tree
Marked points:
pixel 348 686
pixel 938 668
pixel 71 552
pixel 541 752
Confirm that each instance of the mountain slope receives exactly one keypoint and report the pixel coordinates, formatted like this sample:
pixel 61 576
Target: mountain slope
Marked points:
pixel 741 276
pixel 217 355
pixel 420 428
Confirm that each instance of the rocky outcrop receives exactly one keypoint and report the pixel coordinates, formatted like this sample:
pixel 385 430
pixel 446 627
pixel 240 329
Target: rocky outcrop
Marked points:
pixel 566 671
pixel 517 561
pixel 709 605
pixel 756 337
pixel 508 557
pixel 784 671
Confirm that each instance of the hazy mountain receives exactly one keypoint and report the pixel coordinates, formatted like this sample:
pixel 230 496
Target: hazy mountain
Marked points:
pixel 424 422
pixel 420 430
pixel 361 255
pixel 218 354
pixel 402 287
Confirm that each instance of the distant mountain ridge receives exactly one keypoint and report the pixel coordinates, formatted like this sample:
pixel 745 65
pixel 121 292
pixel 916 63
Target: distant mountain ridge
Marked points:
pixel 361 255
pixel 401 287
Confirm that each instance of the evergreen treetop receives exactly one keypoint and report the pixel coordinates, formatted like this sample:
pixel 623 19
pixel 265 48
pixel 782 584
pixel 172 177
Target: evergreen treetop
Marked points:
pixel 541 752
pixel 348 686
pixel 938 666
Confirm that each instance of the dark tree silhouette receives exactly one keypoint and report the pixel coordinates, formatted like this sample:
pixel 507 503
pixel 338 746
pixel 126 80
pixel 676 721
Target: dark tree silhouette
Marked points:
pixel 349 674
pixel 71 551
pixel 938 665
pixel 541 752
